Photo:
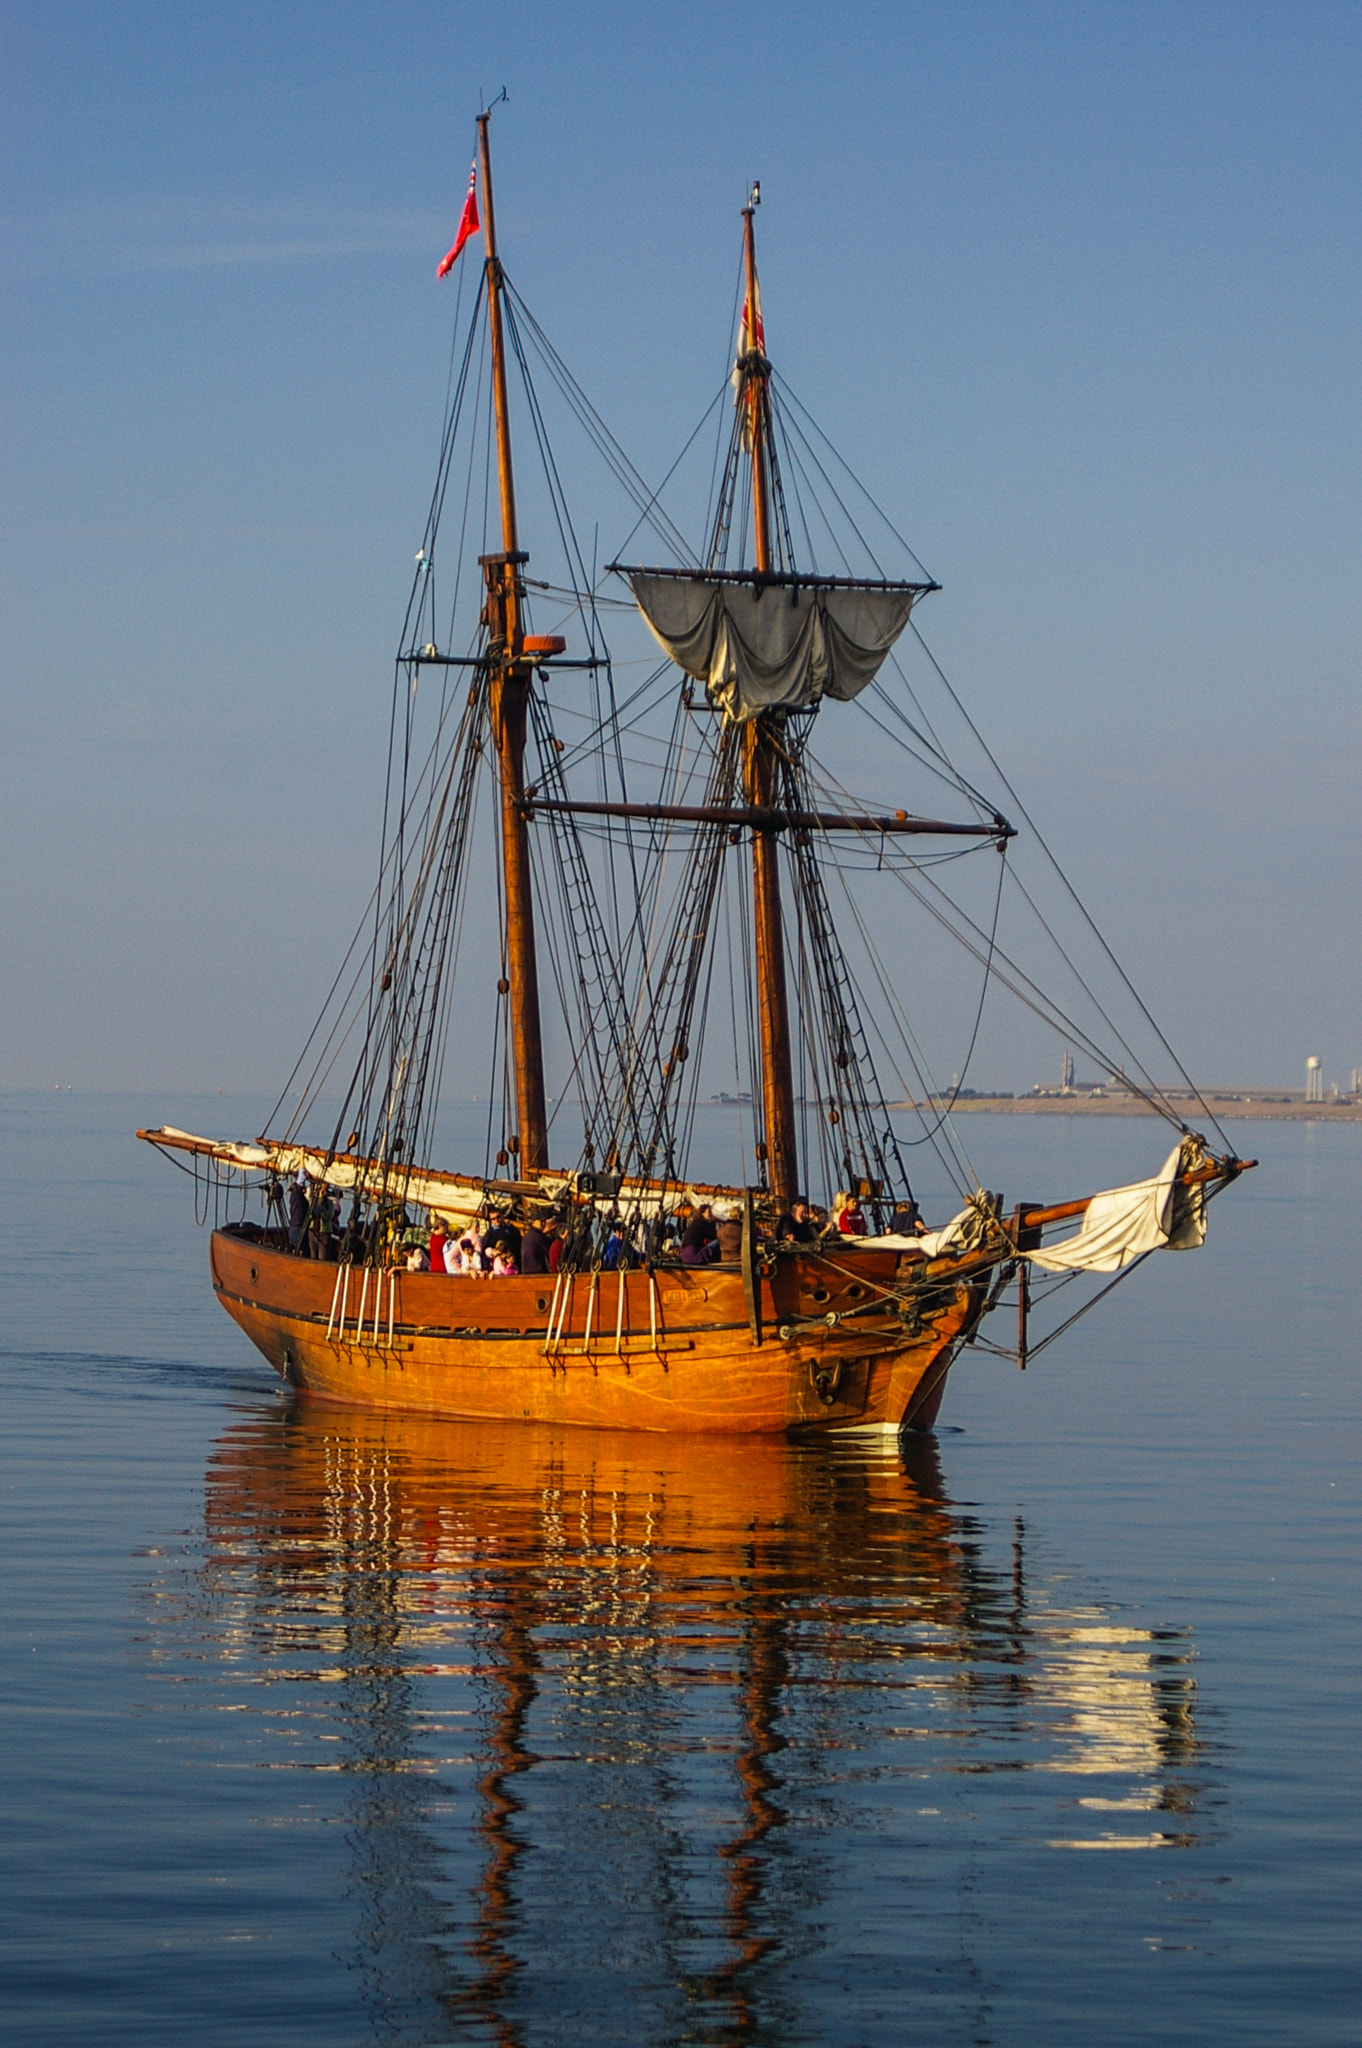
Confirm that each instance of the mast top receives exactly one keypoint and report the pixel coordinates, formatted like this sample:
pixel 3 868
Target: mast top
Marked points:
pixel 768 638
pixel 753 372
pixel 501 408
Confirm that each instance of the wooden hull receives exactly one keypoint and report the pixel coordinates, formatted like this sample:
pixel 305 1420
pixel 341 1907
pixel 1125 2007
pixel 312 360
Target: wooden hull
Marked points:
pixel 681 1350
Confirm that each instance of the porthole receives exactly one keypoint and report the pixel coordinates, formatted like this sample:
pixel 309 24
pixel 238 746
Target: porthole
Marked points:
pixel 854 1293
pixel 255 1272
pixel 818 1293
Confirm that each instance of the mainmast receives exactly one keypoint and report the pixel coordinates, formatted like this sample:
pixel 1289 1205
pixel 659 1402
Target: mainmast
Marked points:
pixel 770 642
pixel 763 746
pixel 509 683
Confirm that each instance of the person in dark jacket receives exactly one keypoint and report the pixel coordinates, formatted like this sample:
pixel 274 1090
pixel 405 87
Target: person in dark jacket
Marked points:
pixel 534 1248
pixel 616 1253
pixel 796 1223
pixel 700 1238
pixel 501 1236
pixel 297 1210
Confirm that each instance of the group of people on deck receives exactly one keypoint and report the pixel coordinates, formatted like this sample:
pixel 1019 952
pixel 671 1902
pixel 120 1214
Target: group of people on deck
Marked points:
pixel 713 1236
pixel 495 1245
pixel 500 1249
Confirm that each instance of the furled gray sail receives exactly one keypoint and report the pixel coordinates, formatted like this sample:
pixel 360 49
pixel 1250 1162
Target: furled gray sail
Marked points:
pixel 766 646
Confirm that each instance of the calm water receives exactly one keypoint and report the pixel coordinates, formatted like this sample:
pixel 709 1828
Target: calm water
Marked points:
pixel 324 1728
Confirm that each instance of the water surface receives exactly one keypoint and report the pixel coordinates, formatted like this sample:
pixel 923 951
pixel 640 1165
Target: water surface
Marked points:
pixel 331 1727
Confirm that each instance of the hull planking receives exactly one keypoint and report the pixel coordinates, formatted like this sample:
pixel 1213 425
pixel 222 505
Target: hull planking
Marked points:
pixel 683 1349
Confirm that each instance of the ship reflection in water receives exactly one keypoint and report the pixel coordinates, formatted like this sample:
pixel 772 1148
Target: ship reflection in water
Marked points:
pixel 687 1728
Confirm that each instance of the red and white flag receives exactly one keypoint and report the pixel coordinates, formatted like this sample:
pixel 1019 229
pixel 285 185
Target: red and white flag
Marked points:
pixel 751 341
pixel 468 224
pixel 752 336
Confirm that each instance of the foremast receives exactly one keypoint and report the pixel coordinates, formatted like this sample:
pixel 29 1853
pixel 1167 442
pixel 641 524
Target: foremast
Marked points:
pixel 763 747
pixel 509 678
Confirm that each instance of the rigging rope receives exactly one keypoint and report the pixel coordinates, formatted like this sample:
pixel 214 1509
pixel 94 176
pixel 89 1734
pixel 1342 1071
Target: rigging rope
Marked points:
pixel 1072 892
pixel 630 910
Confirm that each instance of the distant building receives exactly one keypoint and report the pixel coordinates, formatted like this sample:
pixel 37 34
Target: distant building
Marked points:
pixel 1066 1071
pixel 1314 1079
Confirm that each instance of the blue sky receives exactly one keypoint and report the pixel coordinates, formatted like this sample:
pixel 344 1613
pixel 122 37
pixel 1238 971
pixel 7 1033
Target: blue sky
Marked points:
pixel 1074 288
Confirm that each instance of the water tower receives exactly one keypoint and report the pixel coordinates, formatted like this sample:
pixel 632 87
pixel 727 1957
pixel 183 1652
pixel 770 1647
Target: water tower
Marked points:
pixel 1314 1079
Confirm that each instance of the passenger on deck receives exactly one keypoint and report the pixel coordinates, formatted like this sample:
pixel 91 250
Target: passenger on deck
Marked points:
pixel 796 1224
pixel 674 1229
pixel 906 1220
pixel 503 1265
pixel 553 1231
pixel 534 1247
pixel 846 1215
pixel 297 1209
pixel 418 1259
pixel 619 1254
pixel 466 1254
pixel 501 1235
pixel 700 1238
pixel 321 1229
pixel 728 1225
pixel 438 1241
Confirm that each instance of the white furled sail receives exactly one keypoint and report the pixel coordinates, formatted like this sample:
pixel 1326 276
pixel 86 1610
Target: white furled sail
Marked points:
pixel 1123 1224
pixel 764 646
pixel 454 1199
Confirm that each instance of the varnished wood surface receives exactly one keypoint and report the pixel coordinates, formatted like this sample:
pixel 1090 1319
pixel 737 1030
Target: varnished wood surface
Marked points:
pixel 476 1348
pixel 509 684
pixel 761 744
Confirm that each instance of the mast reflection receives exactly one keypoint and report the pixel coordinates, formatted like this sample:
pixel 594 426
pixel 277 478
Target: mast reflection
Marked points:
pixel 605 1702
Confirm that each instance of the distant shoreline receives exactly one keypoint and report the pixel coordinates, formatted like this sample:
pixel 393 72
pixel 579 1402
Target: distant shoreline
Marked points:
pixel 1223 1105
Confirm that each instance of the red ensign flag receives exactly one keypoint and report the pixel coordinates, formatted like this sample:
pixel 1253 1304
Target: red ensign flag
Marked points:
pixel 468 223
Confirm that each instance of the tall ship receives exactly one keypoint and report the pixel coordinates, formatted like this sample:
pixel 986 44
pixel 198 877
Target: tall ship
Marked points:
pixel 616 881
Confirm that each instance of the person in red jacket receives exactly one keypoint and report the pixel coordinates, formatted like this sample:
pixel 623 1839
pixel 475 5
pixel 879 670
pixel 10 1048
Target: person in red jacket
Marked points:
pixel 847 1215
